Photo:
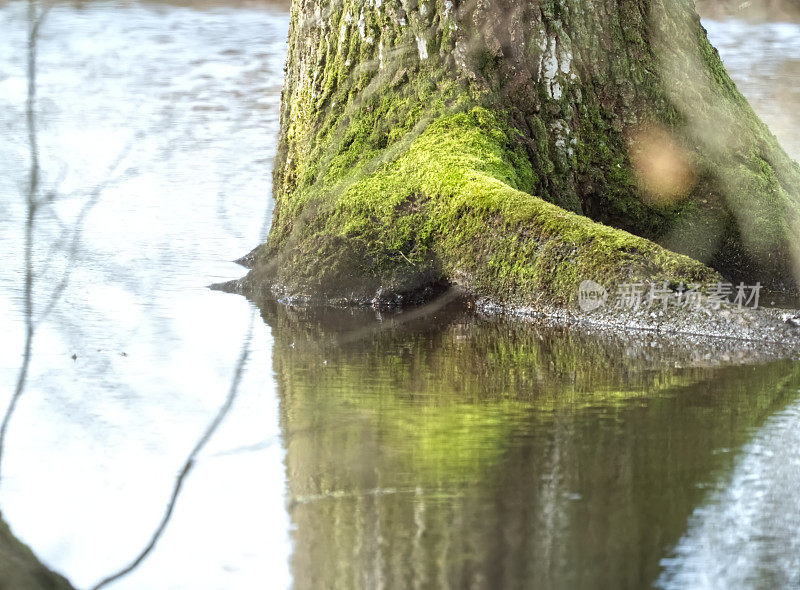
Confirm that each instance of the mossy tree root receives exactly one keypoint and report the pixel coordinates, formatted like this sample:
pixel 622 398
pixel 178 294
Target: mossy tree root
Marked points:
pixel 518 148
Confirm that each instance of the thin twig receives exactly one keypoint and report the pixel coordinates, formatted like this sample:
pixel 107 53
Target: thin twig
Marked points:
pixel 189 464
pixel 94 198
pixel 34 23
pixel 406 258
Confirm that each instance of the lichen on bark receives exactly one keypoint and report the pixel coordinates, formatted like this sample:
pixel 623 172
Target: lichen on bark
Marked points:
pixel 517 148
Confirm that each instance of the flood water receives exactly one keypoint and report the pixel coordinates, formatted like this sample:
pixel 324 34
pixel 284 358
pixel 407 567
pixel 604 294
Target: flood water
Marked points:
pixel 425 449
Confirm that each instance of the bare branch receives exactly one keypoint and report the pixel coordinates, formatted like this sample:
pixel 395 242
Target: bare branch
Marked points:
pixel 35 20
pixel 190 462
pixel 94 198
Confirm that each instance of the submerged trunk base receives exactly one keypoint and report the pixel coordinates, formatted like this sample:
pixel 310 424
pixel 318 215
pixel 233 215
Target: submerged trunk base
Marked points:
pixel 517 150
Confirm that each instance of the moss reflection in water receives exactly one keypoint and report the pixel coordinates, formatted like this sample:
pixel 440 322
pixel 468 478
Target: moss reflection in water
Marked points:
pixel 455 451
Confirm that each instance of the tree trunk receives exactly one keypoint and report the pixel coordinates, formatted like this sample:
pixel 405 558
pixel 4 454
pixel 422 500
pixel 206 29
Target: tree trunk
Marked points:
pixel 20 568
pixel 517 148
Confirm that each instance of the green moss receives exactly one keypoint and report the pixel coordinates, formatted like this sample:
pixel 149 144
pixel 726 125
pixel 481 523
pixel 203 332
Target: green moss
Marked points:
pixel 454 206
pixel 398 171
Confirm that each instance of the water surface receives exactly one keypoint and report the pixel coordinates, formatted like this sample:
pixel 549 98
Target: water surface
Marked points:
pixel 445 450
pixel 168 114
pixel 426 449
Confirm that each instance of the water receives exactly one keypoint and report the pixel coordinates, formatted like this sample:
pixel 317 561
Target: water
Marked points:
pixel 452 451
pixel 172 112
pixel 764 60
pixel 747 533
pixel 424 449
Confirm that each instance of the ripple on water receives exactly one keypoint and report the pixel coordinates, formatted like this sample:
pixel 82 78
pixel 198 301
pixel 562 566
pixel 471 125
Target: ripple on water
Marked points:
pixel 747 534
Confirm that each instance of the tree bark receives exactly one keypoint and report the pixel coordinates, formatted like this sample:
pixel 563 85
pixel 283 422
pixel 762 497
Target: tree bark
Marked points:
pixel 518 147
pixel 20 568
